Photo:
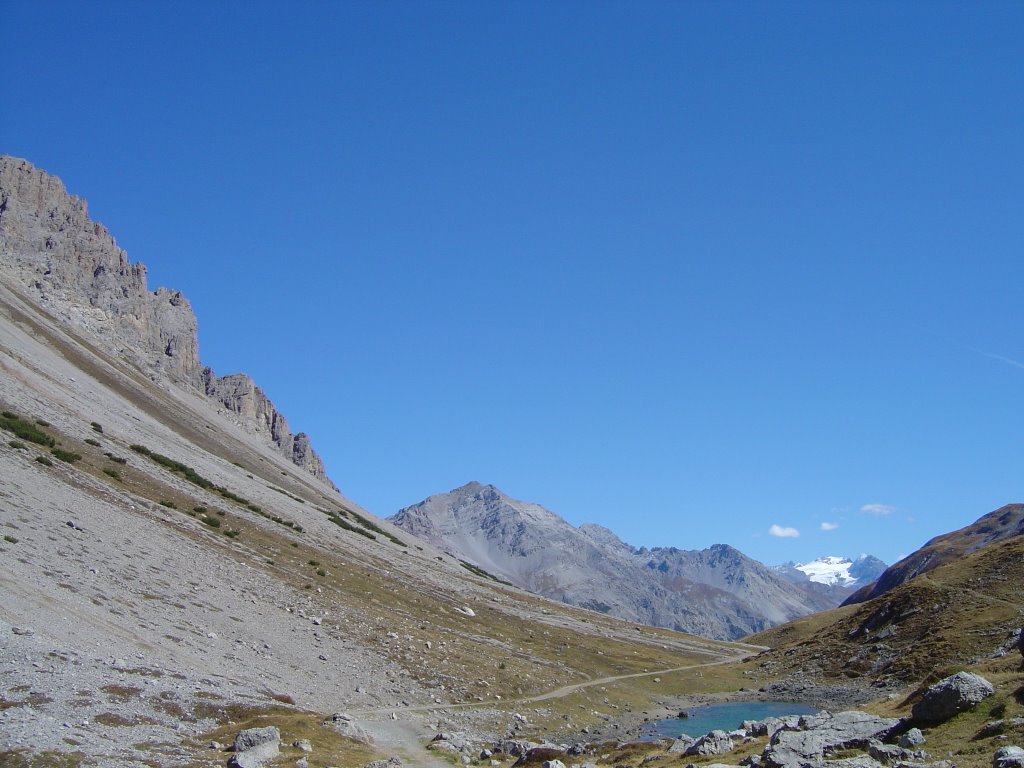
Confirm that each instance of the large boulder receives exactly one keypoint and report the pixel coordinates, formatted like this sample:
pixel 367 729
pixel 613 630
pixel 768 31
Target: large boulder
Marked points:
pixel 957 693
pixel 822 733
pixel 255 747
pixel 714 743
pixel 680 745
pixel 1008 757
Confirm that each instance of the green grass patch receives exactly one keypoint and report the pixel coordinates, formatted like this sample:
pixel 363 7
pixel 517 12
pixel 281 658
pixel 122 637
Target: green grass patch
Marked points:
pixel 44 461
pixel 69 456
pixel 25 429
pixel 10 539
pixel 476 570
pixel 112 473
pixel 17 445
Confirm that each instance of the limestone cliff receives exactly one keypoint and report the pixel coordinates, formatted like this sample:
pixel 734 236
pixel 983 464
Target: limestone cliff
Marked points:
pixel 53 252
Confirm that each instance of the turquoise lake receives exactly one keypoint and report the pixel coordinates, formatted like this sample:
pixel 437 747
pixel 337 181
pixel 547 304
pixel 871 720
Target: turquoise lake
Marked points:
pixel 724 717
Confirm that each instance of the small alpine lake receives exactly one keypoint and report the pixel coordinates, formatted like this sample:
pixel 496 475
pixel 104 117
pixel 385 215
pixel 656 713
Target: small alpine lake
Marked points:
pixel 723 717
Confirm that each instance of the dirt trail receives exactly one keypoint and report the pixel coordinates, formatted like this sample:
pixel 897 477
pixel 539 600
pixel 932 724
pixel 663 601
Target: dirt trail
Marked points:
pixel 407 737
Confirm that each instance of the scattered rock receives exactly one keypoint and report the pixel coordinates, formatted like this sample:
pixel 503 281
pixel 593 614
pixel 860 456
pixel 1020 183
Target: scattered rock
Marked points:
pixel 23 630
pixel 912 738
pixel 391 762
pixel 957 693
pixel 304 744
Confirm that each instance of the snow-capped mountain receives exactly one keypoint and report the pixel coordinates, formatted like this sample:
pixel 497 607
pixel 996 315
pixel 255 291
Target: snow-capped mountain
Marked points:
pixel 840 571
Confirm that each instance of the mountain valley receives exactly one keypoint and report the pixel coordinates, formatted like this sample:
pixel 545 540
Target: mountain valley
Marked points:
pixel 177 567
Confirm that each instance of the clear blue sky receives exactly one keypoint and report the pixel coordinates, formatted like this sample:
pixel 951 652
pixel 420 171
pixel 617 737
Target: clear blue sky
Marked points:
pixel 689 270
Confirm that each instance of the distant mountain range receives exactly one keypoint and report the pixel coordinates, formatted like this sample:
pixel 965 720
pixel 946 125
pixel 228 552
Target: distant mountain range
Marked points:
pixel 717 592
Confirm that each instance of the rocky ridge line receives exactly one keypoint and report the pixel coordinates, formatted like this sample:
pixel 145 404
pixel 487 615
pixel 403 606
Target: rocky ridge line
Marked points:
pixel 53 252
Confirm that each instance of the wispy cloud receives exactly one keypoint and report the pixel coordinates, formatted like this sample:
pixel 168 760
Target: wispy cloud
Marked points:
pixel 825 526
pixel 1007 360
pixel 878 510
pixel 783 532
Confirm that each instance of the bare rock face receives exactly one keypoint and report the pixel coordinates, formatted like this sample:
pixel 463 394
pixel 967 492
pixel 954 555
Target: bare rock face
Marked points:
pixel 77 269
pixel 56 255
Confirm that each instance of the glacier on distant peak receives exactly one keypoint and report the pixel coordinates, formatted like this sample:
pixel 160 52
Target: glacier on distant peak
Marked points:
pixel 829 570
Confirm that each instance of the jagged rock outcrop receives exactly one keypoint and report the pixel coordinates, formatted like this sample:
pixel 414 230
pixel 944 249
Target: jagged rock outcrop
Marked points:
pixel 53 252
pixel 239 394
pixel 717 592
pixel 822 733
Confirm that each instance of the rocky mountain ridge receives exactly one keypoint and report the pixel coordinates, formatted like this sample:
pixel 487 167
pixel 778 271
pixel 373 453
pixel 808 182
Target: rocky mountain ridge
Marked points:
pixel 52 252
pixel 716 592
pixel 1004 523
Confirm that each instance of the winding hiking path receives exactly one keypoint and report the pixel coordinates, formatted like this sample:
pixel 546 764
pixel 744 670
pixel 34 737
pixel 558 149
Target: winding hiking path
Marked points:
pixel 406 737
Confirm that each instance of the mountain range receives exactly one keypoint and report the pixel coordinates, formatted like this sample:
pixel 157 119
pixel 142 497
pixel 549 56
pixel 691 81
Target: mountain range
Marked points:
pixel 716 592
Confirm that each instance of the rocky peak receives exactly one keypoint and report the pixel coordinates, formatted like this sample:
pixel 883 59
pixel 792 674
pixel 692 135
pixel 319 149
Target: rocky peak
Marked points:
pixel 53 253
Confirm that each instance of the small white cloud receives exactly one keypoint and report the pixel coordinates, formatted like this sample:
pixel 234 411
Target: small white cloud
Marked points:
pixel 783 532
pixel 878 510
pixel 829 526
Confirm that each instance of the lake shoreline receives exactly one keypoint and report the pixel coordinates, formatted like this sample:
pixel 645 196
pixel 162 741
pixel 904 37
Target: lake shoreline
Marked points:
pixel 631 726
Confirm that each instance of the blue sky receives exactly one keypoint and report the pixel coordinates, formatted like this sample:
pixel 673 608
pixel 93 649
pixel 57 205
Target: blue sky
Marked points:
pixel 695 271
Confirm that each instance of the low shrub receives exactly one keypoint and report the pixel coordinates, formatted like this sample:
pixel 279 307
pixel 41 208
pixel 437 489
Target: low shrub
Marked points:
pixel 90 441
pixel 213 522
pixel 97 427
pixel 10 539
pixel 232 533
pixel 69 456
pixel 44 460
pixel 168 504
pixel 17 444
pixel 112 473
pixel 116 459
